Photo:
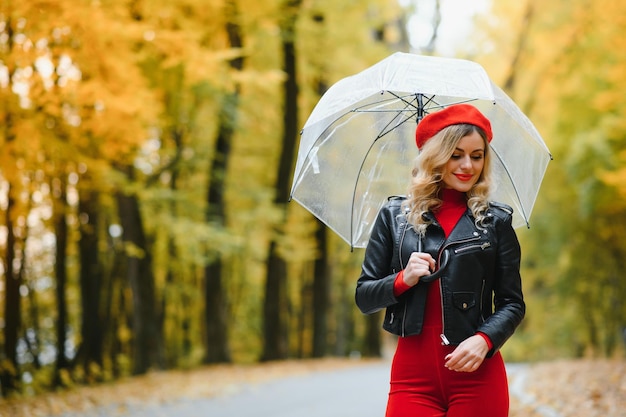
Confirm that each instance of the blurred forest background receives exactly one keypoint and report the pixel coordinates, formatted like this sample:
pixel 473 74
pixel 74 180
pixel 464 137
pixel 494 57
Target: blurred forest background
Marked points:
pixel 146 152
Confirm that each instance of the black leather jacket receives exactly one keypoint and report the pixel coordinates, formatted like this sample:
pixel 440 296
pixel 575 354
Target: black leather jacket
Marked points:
pixel 478 269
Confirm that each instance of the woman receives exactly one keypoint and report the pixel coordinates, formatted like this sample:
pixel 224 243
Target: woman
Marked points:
pixel 444 262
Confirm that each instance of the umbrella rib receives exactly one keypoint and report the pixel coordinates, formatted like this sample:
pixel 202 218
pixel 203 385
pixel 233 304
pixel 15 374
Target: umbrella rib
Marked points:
pixel 409 107
pixel 416 97
pixel 506 169
pixel 408 102
pixel 385 131
pixel 365 108
pixel 384 111
pixel 356 184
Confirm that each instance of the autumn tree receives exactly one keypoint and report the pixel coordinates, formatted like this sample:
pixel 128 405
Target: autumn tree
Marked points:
pixel 146 167
pixel 562 68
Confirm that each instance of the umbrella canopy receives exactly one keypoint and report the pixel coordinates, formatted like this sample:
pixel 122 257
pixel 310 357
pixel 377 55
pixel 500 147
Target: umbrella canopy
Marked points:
pixel 358 145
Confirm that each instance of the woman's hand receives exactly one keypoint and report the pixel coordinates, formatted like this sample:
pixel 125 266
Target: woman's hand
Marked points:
pixel 469 355
pixel 419 265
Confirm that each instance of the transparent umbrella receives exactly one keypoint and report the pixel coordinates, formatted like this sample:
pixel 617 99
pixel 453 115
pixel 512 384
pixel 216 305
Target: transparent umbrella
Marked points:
pixel 358 145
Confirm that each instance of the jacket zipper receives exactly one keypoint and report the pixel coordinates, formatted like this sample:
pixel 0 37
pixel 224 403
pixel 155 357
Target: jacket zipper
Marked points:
pixel 459 242
pixel 466 248
pixel 482 293
pixel 444 339
pixel 404 320
pixel 400 244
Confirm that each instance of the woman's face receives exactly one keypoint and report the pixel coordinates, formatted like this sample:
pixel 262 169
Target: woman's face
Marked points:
pixel 464 167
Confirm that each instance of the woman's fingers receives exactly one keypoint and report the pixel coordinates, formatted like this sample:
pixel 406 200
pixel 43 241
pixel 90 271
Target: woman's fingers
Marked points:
pixel 468 356
pixel 423 259
pixel 419 265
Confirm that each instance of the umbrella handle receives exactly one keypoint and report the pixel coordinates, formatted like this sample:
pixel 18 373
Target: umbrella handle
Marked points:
pixel 445 257
pixel 442 266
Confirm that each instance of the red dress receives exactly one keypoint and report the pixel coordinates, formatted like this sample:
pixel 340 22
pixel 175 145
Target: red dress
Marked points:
pixel 420 384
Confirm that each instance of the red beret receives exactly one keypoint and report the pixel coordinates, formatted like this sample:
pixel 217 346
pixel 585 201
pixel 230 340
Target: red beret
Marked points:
pixel 432 123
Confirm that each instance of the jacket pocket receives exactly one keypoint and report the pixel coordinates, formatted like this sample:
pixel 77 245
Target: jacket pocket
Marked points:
pixel 464 300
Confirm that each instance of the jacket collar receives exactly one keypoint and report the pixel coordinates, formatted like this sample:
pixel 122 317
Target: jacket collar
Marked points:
pixel 464 229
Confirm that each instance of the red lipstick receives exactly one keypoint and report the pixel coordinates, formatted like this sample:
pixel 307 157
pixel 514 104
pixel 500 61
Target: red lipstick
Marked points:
pixel 464 177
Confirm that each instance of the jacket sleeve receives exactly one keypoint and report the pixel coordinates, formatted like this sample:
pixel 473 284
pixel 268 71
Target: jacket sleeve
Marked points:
pixel 509 306
pixel 374 289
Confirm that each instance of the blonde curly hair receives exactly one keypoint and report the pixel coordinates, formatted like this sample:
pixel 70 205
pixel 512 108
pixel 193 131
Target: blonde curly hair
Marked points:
pixel 428 173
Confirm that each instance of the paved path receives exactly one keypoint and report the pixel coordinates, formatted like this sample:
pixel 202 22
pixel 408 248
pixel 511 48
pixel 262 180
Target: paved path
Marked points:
pixel 347 392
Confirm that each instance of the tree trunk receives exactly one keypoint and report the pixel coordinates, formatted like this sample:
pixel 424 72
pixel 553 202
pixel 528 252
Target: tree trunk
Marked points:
pixel 322 272
pixel 147 335
pixel 275 302
pixel 9 375
pixel 60 270
pixel 217 346
pixel 9 372
pixel 321 286
pixel 115 310
pixel 275 322
pixel 92 329
pixel 523 36
pixel 33 339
